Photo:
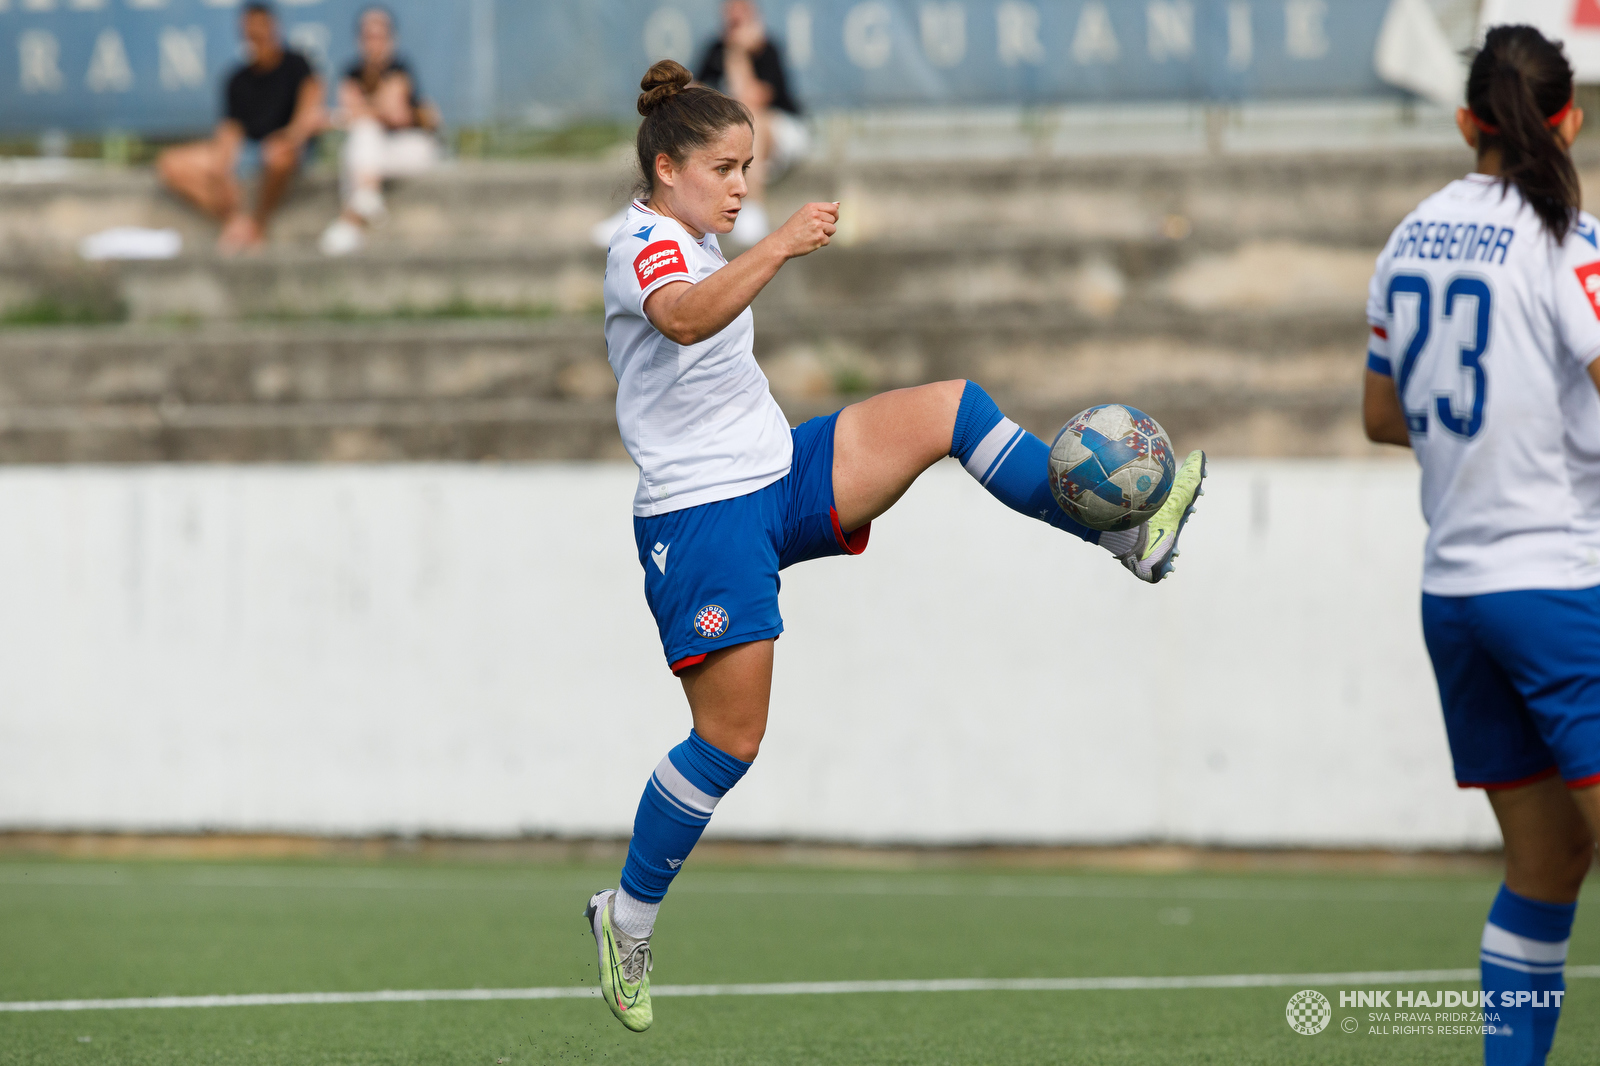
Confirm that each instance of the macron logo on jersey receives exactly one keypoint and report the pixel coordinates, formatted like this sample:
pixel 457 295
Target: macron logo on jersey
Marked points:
pixel 644 234
pixel 659 260
pixel 1589 278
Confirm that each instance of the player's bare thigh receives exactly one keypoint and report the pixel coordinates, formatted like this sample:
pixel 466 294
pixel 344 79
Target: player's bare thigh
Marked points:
pixel 1548 841
pixel 881 445
pixel 728 695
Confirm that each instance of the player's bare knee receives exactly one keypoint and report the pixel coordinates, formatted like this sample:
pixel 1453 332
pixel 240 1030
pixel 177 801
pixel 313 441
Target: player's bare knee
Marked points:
pixel 1579 858
pixel 746 744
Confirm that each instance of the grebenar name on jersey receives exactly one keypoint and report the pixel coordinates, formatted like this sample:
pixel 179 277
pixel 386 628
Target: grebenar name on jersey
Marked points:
pixel 1466 241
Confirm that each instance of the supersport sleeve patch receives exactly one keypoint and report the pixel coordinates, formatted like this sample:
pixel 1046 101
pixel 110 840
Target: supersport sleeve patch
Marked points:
pixel 1589 278
pixel 660 260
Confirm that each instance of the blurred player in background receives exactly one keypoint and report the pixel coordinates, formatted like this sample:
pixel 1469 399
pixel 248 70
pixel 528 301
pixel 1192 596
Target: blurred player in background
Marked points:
pixel 745 64
pixel 1485 314
pixel 392 130
pixel 729 495
pixel 272 112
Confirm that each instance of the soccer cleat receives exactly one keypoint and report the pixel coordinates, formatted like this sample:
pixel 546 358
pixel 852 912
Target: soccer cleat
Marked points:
pixel 1157 547
pixel 625 965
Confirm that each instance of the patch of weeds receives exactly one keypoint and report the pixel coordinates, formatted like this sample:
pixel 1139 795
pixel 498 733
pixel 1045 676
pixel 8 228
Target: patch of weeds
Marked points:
pixel 50 311
pixel 851 381
pixel 457 308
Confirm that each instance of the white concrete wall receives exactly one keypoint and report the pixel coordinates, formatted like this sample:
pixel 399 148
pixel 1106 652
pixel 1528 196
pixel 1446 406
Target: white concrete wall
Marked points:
pixel 466 649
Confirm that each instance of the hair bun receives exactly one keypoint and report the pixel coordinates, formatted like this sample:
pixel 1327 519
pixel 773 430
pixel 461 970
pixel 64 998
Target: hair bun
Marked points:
pixel 660 83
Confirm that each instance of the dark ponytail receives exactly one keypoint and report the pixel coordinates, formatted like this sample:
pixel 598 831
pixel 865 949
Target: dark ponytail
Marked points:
pixel 679 117
pixel 1519 81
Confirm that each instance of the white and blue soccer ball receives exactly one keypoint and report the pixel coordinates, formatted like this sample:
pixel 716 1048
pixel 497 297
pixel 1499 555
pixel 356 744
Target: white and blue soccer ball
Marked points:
pixel 1111 467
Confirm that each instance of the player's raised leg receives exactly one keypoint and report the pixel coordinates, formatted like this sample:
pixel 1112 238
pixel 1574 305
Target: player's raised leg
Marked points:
pixel 883 444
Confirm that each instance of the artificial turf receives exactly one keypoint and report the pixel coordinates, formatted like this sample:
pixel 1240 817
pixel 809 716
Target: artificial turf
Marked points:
pixel 93 929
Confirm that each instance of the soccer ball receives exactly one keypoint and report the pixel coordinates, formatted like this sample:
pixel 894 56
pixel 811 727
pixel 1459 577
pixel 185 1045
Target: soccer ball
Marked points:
pixel 1111 467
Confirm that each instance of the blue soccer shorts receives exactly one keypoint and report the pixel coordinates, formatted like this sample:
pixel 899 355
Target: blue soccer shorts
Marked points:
pixel 711 572
pixel 1519 678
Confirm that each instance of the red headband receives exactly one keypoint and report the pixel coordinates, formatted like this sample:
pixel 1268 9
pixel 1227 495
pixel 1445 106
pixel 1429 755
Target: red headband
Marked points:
pixel 1553 121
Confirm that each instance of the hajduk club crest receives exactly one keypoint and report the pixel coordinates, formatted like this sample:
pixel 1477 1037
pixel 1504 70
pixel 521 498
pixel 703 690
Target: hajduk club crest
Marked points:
pixel 711 621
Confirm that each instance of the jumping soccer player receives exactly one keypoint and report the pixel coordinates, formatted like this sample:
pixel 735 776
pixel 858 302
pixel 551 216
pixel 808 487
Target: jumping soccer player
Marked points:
pixel 1485 314
pixel 729 495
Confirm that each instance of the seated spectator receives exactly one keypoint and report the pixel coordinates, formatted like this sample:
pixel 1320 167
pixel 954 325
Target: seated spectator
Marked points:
pixel 273 112
pixel 746 64
pixel 391 130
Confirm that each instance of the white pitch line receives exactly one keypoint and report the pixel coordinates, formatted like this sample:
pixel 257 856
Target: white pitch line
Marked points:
pixel 795 988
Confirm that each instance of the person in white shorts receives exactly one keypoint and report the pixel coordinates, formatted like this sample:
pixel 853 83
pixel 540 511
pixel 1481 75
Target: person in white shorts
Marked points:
pixel 391 130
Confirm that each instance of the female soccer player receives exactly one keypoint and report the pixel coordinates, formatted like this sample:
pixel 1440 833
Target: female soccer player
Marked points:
pixel 1485 314
pixel 729 495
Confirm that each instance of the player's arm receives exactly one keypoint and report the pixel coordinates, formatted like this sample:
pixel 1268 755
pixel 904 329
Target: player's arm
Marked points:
pixel 1381 413
pixel 1594 373
pixel 690 312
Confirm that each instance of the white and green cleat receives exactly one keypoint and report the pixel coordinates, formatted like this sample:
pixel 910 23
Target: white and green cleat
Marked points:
pixel 1151 558
pixel 625 965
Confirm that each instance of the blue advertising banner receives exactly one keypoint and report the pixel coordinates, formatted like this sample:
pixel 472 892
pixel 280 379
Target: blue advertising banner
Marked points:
pixel 156 66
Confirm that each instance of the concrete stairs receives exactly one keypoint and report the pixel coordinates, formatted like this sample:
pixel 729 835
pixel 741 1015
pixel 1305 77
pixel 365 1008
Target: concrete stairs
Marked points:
pixel 1223 295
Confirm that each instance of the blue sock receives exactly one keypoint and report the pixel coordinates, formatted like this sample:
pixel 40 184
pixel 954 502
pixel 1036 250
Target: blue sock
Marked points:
pixel 1523 956
pixel 1010 462
pixel 677 804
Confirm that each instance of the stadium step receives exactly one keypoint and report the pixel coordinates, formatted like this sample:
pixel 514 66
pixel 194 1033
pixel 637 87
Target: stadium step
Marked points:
pixel 1345 198
pixel 542 390
pixel 1102 278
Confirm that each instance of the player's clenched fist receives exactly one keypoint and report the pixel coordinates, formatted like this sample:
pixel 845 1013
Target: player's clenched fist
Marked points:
pixel 808 229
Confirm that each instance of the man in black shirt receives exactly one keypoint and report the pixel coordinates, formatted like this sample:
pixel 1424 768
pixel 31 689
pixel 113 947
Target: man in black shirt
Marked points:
pixel 746 64
pixel 272 109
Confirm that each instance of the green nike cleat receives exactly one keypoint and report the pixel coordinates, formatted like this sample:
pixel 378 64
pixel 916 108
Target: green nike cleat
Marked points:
pixel 625 965
pixel 1152 556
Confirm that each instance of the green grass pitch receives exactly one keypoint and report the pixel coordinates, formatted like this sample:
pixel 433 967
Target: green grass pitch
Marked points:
pixel 99 929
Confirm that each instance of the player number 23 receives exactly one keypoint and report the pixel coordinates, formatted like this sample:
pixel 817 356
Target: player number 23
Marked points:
pixel 1450 414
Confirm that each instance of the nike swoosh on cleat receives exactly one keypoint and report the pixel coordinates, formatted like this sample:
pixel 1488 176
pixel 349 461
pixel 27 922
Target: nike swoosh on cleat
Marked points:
pixel 1153 543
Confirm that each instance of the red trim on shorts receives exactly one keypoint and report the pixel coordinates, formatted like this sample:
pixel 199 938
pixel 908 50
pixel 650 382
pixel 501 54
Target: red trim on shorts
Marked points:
pixel 1585 782
pixel 1500 786
pixel 1381 332
pixel 853 543
pixel 692 660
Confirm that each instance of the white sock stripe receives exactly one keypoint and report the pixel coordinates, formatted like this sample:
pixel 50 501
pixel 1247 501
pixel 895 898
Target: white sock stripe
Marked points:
pixel 1503 942
pixel 682 789
pixel 994 467
pixel 1521 967
pixel 655 783
pixel 989 449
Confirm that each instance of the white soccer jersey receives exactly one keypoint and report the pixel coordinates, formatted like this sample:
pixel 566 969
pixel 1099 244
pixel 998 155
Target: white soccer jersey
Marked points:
pixel 698 419
pixel 1487 327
